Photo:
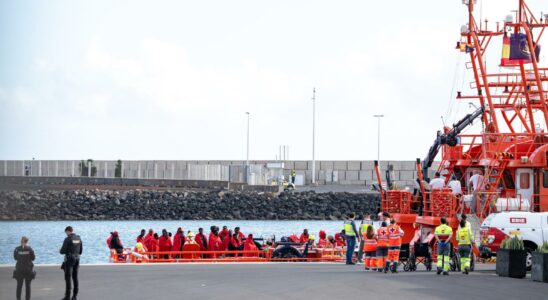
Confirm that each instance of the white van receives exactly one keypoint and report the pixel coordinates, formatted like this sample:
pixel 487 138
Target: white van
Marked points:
pixel 529 226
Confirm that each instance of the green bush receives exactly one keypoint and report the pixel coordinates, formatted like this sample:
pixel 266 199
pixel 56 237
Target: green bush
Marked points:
pixel 84 168
pixel 543 248
pixel 118 169
pixel 512 243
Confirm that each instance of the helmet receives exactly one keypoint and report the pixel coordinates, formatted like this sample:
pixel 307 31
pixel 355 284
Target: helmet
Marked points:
pixel 139 246
pixel 312 237
pixel 190 234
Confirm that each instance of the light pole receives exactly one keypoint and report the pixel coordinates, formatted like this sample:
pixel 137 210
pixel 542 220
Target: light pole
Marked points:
pixel 314 136
pixel 247 154
pixel 378 136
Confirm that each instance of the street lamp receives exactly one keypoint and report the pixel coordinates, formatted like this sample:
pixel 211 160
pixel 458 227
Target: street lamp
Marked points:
pixel 314 136
pixel 247 155
pixel 378 136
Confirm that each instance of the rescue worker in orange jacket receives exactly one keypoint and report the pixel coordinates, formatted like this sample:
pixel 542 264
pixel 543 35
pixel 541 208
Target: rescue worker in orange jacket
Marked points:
pixel 382 246
pixel 395 233
pixel 370 248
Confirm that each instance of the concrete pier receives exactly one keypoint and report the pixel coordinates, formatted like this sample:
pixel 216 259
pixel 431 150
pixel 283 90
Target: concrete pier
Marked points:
pixel 272 281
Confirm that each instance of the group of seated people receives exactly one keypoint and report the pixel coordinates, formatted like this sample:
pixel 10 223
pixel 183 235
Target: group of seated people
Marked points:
pixel 218 240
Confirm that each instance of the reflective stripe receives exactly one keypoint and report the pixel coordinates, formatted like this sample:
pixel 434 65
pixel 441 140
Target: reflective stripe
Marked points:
pixel 443 231
pixel 23 252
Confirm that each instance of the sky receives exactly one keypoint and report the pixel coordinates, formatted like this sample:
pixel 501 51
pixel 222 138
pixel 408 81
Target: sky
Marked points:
pixel 174 79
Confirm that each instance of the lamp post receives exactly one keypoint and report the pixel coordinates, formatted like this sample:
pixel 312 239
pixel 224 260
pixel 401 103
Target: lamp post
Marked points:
pixel 247 153
pixel 314 136
pixel 378 136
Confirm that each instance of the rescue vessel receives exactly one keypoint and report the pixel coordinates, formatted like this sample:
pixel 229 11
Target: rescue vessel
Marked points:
pixel 509 153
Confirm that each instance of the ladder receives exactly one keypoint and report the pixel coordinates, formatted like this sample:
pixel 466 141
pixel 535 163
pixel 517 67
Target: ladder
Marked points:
pixel 491 182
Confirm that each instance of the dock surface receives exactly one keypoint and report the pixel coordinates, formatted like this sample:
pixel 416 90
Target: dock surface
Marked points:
pixel 271 281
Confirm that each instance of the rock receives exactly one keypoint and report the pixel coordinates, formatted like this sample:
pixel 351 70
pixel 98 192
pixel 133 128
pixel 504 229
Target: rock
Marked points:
pixel 172 205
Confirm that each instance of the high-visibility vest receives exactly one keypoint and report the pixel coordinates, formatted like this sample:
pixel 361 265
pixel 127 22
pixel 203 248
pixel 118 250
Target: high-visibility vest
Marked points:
pixel 464 236
pixel 349 229
pixel 394 235
pixel 443 231
pixel 365 225
pixel 382 237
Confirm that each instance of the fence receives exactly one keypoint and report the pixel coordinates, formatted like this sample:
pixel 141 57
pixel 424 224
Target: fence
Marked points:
pixel 327 172
pixel 177 170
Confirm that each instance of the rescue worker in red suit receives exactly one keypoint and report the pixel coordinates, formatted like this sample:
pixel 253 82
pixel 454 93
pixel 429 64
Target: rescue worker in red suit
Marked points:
pixel 293 238
pixel 215 242
pixel 395 233
pixel 165 243
pixel 339 240
pixel 382 247
pixel 109 239
pixel 116 245
pixel 249 245
pixel 141 237
pixel 226 241
pixel 322 242
pixel 223 233
pixel 149 240
pixel 235 243
pixel 178 241
pixel 154 244
pixel 304 237
pixel 201 239
pixel 331 242
pixel 239 233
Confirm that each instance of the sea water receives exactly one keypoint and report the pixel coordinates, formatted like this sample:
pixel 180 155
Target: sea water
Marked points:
pixel 46 237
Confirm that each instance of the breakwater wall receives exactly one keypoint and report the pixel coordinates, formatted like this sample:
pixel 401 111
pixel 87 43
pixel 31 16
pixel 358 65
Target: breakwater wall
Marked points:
pixel 180 205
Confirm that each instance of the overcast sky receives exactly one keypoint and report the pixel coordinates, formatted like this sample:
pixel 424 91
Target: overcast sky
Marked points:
pixel 173 79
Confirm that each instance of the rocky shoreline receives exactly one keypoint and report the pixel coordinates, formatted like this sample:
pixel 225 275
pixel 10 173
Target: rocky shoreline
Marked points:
pixel 180 205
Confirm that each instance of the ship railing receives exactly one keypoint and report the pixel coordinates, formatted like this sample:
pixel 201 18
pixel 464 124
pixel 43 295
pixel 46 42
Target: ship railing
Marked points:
pixel 314 255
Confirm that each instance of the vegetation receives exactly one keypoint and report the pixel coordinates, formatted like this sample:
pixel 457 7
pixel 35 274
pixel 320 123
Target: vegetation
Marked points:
pixel 118 169
pixel 543 248
pixel 84 168
pixel 512 243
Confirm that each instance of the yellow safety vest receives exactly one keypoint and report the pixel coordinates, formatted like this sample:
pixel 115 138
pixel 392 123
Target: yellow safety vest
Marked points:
pixel 464 235
pixel 348 229
pixel 443 231
pixel 365 226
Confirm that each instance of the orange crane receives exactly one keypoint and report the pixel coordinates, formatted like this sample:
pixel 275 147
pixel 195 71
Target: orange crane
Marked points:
pixel 508 160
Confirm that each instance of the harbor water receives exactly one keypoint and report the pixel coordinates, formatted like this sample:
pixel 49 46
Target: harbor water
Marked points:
pixel 46 237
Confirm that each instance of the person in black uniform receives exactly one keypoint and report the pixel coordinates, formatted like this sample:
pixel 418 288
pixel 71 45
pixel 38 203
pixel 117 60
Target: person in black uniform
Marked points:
pixel 24 255
pixel 72 249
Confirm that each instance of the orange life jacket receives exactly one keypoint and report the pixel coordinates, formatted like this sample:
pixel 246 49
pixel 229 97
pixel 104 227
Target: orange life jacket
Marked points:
pixel 382 237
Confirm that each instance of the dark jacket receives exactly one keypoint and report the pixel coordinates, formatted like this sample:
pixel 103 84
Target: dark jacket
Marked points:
pixel 116 244
pixel 24 257
pixel 72 248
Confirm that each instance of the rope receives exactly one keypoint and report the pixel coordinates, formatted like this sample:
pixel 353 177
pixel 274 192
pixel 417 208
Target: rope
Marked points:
pixel 453 85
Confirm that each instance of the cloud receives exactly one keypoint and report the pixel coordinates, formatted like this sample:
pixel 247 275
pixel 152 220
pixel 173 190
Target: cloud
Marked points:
pixel 162 73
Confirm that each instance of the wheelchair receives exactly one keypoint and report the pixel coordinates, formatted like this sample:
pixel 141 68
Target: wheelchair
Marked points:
pixel 422 254
pixel 454 264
